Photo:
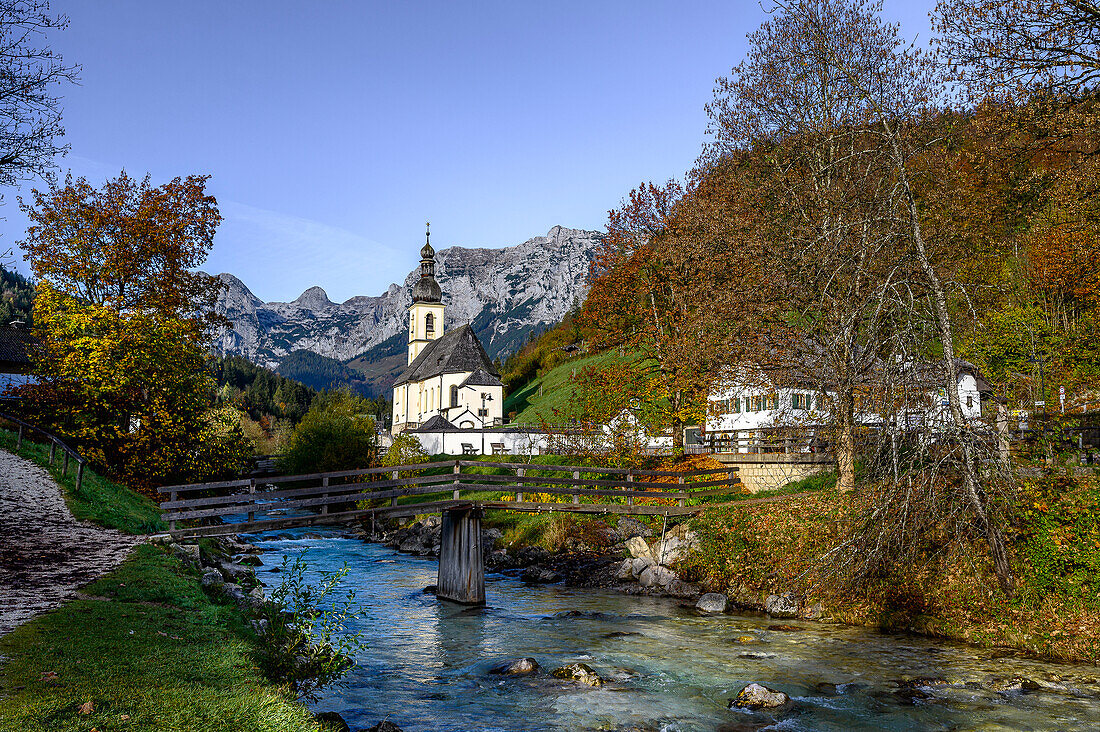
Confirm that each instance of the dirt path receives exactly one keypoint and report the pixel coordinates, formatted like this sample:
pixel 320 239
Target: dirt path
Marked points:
pixel 45 553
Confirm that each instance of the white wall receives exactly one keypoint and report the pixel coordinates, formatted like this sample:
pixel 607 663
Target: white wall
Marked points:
pixel 515 443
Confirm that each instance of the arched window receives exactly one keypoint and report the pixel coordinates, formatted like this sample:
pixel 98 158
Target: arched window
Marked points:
pixel 454 396
pixel 429 324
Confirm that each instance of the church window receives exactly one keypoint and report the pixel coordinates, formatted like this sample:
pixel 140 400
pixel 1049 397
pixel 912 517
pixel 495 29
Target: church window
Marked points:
pixel 429 324
pixel 483 412
pixel 454 396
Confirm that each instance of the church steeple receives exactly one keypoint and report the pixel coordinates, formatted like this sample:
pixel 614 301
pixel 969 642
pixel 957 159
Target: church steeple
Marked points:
pixel 426 311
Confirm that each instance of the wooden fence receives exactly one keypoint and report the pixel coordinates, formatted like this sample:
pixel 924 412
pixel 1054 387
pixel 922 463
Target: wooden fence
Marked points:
pixel 25 430
pixel 337 497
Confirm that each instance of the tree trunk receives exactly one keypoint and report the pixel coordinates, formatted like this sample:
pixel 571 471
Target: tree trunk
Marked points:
pixel 846 442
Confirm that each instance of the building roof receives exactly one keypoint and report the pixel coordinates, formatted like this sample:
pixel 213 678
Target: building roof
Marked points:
pixel 16 345
pixel 434 424
pixel 455 352
pixel 481 377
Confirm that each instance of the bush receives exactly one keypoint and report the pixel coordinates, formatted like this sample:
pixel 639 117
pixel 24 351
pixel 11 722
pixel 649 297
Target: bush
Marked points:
pixel 405 450
pixel 337 433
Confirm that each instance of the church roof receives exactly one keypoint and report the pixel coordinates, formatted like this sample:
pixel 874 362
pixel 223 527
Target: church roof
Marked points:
pixel 481 377
pixel 454 352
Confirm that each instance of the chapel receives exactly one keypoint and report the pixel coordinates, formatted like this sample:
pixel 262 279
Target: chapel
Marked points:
pixel 449 382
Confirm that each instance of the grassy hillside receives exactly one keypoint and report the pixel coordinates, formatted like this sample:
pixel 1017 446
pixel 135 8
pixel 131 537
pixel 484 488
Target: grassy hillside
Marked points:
pixel 540 397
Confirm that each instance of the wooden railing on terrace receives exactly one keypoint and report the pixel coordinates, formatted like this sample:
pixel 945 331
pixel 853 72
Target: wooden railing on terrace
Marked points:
pixel 25 430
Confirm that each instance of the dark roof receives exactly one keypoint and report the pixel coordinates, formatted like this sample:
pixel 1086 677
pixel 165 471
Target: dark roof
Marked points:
pixel 454 352
pixel 434 424
pixel 16 345
pixel 427 289
pixel 481 377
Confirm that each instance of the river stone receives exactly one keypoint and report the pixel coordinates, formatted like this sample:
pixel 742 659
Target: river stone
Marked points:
pixel 234 572
pixel 676 544
pixel 384 726
pixel 540 575
pixel 782 606
pixel 188 553
pixel 516 667
pixel 712 602
pixel 640 564
pixel 581 673
pixel 816 611
pixel 756 696
pixel 656 577
pixel 626 570
pixel 679 588
pixel 628 528
pixel 332 722
pixel 250 561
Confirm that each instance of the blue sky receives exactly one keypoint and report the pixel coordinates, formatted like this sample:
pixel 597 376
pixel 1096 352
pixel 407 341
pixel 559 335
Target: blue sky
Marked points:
pixel 333 130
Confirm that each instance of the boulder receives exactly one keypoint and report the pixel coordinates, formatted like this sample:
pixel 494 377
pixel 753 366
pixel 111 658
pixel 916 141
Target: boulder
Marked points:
pixel 640 564
pixel 816 611
pixel 712 602
pixel 212 580
pixel 676 544
pixel 685 590
pixel 235 572
pixel 188 552
pixel 626 570
pixel 656 576
pixel 756 696
pixel 250 561
pixel 539 575
pixel 782 606
pixel 579 673
pixel 639 549
pixel 332 722
pixel 516 667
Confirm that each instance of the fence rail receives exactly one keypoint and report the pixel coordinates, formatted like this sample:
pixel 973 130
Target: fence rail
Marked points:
pixel 338 496
pixel 25 428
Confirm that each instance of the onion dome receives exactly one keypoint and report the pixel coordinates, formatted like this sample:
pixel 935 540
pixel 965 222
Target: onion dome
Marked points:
pixel 427 289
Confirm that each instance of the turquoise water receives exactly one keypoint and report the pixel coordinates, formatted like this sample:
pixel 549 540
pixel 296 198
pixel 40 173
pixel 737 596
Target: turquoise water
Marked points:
pixel 666 667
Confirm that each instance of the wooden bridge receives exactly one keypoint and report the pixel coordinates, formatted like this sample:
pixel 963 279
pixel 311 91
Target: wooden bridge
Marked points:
pixel 450 487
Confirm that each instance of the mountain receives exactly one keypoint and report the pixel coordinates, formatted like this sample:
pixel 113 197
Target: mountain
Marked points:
pixel 503 293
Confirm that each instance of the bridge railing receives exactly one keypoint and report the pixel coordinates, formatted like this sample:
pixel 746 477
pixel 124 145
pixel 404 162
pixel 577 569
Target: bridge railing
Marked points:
pixel 259 504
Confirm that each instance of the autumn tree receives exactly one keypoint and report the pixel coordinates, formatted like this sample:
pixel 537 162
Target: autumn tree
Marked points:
pixel 125 323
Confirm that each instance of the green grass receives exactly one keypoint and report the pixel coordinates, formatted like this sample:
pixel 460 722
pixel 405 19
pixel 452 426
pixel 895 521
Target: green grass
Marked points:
pixel 530 406
pixel 100 500
pixel 147 644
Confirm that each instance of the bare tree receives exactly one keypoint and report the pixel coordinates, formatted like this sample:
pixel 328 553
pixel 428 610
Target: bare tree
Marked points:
pixel 31 74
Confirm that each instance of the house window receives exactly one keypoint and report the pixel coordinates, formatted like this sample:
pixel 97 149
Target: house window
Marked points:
pixel 772 401
pixel 800 401
pixel 969 401
pixel 735 405
pixel 483 412
pixel 454 396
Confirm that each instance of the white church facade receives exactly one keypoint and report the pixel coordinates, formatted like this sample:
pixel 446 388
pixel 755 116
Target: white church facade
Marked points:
pixel 449 382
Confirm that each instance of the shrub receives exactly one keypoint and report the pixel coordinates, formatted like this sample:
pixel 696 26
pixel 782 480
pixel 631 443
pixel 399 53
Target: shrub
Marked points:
pixel 338 433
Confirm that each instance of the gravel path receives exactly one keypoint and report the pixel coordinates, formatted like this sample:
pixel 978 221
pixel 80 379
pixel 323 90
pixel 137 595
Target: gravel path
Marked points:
pixel 45 553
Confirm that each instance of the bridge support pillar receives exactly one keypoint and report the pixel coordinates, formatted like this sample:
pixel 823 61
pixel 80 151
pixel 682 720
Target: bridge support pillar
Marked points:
pixel 461 562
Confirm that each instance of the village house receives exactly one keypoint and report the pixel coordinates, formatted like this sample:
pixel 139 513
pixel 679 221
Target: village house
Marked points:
pixel 751 406
pixel 449 383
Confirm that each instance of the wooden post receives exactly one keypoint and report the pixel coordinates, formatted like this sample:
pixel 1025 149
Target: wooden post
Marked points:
pixel 461 562
pixel 630 479
pixel 576 496
pixel 79 474
pixel 457 471
pixel 172 523
pixel 65 465
pixel 396 475
pixel 520 472
pixel 53 449
pixel 324 484
pixel 683 495
pixel 19 438
pixel 251 498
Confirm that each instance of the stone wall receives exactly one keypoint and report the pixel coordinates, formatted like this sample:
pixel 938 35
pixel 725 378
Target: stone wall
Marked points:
pixel 768 472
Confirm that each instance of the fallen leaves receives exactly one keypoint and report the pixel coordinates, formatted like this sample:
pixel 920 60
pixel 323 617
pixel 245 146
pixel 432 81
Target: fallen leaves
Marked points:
pixel 87 707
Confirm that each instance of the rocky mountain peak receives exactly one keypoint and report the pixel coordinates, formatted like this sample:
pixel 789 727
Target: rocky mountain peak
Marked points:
pixel 315 298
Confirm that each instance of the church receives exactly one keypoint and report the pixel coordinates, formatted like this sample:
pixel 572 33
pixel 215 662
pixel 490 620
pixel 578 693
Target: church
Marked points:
pixel 449 382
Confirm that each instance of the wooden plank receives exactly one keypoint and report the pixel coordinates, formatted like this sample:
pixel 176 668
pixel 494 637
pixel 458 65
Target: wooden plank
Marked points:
pixel 546 480
pixel 276 479
pixel 589 469
pixel 188 487
pixel 608 492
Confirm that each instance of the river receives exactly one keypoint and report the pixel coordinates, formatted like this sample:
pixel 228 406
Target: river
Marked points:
pixel 425 666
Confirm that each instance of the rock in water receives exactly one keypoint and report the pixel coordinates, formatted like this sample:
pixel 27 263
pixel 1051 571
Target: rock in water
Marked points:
pixel 332 722
pixel 756 696
pixel 385 726
pixel 656 577
pixel 641 564
pixel 517 667
pixel 580 673
pixel 212 580
pixel 628 528
pixel 782 606
pixel 712 602
pixel 539 575
pixel 626 570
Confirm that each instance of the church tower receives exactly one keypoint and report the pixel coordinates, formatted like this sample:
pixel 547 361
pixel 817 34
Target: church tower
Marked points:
pixel 426 311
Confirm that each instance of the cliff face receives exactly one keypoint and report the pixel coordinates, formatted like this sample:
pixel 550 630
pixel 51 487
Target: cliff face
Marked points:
pixel 503 293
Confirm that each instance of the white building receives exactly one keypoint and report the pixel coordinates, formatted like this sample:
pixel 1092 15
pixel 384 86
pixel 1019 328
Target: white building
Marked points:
pixel 449 374
pixel 750 405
